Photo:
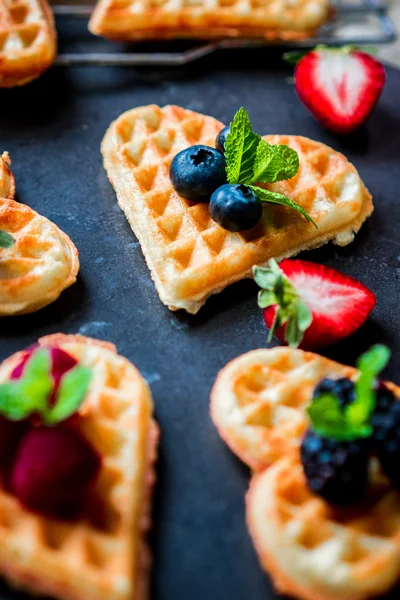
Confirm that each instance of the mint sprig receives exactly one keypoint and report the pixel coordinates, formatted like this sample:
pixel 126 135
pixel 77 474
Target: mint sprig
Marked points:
pixel 276 290
pixel 370 365
pixel 72 391
pixel 251 160
pixel 6 240
pixel 329 419
pixel 31 393
pixel 274 163
pixel 240 149
pixel 277 198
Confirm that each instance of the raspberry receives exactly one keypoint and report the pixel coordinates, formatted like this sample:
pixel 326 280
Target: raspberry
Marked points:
pixel 335 470
pixel 386 436
pixel 53 470
pixel 10 435
pixel 342 388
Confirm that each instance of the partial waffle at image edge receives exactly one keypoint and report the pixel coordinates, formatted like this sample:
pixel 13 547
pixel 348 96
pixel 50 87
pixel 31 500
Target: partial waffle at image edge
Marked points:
pixel 28 41
pixel 160 19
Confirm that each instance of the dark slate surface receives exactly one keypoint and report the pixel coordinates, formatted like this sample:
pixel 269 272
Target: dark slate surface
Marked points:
pixel 53 130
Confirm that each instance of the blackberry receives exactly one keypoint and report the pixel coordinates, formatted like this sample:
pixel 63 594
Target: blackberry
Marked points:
pixel 384 397
pixel 335 470
pixel 342 388
pixel 386 435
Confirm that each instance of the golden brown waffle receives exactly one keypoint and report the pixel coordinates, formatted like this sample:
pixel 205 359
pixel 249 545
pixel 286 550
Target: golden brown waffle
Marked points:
pixel 102 555
pixel 42 263
pixel 7 181
pixel 258 401
pixel 160 19
pixel 316 552
pixel 27 40
pixel 311 550
pixel 191 257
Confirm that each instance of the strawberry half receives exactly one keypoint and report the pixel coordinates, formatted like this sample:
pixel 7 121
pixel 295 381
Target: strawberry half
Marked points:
pixel 310 306
pixel 339 86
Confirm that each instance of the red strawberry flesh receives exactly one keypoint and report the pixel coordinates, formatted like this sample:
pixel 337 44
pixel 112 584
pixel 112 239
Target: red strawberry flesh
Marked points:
pixel 339 304
pixel 339 87
pixel 53 470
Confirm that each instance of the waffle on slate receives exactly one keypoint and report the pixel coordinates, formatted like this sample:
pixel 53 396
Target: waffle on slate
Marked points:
pixel 43 261
pixel 191 257
pixel 160 19
pixel 27 40
pixel 258 401
pixel 311 550
pixel 316 552
pixel 103 554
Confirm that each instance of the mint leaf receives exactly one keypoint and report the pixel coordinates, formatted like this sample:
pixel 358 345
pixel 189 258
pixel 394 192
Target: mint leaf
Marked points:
pixel 28 395
pixel 73 389
pixel 326 417
pixel 240 149
pixel 10 405
pixel 277 290
pixel 329 420
pixel 31 393
pixel 6 240
pixel 354 421
pixel 276 198
pixel 274 163
pixel 370 364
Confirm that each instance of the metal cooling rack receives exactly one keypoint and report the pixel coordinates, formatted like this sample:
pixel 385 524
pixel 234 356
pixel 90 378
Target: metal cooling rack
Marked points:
pixel 366 23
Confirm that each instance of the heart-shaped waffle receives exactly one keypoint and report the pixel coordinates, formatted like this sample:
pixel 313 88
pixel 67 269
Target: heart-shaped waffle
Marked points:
pixel 189 255
pixel 27 40
pixel 43 261
pixel 258 401
pixel 311 550
pixel 102 554
pixel 159 19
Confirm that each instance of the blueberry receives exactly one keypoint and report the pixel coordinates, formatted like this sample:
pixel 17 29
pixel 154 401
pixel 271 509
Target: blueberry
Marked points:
pixel 386 435
pixel 197 171
pixel 221 139
pixel 235 207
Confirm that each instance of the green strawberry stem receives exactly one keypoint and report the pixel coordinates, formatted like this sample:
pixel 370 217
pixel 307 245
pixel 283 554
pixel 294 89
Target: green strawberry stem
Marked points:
pixel 276 290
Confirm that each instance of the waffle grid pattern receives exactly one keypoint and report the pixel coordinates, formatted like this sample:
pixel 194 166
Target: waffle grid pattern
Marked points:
pixel 96 557
pixel 332 553
pixel 27 40
pixel 40 265
pixel 189 255
pixel 258 401
pixel 133 19
pixel 311 550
